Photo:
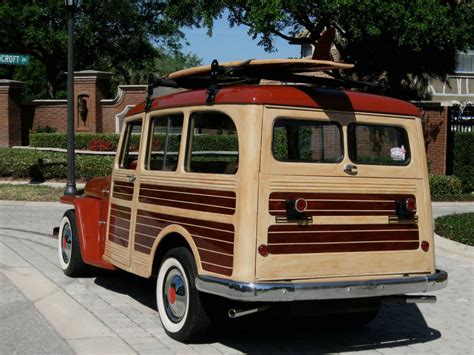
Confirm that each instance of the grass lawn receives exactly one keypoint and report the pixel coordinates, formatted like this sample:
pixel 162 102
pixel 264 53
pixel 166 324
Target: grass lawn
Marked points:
pixel 453 198
pixel 30 193
pixel 457 227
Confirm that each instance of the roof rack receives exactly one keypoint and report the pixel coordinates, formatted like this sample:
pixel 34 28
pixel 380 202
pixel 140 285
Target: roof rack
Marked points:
pixel 253 71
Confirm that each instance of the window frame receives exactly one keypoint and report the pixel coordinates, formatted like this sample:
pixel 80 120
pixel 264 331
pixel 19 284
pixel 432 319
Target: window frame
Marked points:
pixel 190 137
pixel 151 128
pixel 126 139
pixel 320 123
pixel 352 144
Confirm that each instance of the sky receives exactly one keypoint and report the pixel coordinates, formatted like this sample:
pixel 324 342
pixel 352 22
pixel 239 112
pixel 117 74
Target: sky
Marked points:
pixel 229 44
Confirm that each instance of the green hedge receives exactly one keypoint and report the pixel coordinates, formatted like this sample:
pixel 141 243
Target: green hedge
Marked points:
pixel 458 227
pixel 39 166
pixel 463 159
pixel 84 140
pixel 441 185
pixel 81 140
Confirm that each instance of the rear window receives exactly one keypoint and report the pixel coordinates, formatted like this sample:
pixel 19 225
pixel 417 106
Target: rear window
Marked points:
pixel 213 145
pixel 307 141
pixel 378 144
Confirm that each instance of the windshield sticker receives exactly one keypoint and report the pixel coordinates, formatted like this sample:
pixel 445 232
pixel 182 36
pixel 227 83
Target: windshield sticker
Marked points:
pixel 398 153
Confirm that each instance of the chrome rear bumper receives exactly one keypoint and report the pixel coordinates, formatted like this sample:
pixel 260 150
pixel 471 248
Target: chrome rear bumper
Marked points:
pixel 293 291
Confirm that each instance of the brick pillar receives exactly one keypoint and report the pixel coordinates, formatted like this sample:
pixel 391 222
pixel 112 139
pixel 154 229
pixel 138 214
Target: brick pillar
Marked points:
pixel 90 87
pixel 10 112
pixel 435 131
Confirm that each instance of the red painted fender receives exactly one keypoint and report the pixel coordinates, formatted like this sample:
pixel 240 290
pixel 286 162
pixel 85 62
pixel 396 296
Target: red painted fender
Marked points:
pixel 91 233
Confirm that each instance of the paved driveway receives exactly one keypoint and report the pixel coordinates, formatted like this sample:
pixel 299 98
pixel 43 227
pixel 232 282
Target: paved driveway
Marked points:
pixel 115 312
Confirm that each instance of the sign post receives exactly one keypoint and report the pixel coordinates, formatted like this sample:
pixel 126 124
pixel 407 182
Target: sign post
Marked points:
pixel 14 59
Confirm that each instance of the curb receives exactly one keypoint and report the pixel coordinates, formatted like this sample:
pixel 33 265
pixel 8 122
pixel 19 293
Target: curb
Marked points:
pixel 454 249
pixel 79 185
pixel 77 326
pixel 30 203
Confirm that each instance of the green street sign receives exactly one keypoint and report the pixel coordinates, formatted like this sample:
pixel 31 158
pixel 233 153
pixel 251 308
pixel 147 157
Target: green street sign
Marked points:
pixel 14 59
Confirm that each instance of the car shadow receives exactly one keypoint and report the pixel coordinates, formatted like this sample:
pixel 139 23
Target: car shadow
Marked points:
pixel 396 325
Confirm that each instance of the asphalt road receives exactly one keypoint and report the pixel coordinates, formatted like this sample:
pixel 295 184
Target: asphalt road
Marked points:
pixel 43 311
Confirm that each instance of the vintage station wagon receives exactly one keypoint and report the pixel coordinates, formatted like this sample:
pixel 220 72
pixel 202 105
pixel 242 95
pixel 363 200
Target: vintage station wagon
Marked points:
pixel 261 194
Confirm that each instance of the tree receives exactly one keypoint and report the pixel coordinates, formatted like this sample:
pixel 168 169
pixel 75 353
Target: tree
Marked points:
pixel 122 36
pixel 405 42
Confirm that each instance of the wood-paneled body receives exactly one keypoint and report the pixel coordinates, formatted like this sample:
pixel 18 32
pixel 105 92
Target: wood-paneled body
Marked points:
pixel 215 213
pixel 354 228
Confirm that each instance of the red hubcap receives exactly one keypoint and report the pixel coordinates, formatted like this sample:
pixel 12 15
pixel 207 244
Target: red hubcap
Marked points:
pixel 172 295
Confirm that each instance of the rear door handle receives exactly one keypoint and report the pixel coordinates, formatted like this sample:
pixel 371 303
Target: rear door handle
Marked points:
pixel 131 178
pixel 350 169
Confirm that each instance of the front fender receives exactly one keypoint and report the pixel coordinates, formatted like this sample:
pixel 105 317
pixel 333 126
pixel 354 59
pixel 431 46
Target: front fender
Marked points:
pixel 91 241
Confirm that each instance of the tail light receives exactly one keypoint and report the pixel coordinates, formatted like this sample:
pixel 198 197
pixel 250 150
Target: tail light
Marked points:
pixel 301 205
pixel 263 250
pixel 410 204
pixel 425 246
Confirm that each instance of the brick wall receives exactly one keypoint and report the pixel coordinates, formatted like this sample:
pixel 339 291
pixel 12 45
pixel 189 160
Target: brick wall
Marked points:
pixel 94 86
pixel 127 95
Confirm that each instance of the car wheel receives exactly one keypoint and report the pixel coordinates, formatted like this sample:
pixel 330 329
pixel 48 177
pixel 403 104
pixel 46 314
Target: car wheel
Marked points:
pixel 180 307
pixel 69 252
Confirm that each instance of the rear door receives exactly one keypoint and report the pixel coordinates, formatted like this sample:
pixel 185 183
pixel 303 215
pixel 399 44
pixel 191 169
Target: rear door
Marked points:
pixel 124 194
pixel 351 175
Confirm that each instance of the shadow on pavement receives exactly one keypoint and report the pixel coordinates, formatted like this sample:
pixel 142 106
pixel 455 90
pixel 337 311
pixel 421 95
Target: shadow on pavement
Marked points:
pixel 396 325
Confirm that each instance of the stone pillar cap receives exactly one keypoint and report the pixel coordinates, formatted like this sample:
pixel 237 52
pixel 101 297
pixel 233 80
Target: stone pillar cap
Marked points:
pixel 92 73
pixel 12 83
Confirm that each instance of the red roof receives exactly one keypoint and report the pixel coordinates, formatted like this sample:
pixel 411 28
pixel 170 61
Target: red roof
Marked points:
pixel 326 99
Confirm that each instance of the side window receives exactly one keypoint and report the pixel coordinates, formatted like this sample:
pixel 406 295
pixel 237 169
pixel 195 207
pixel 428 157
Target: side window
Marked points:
pixel 163 143
pixel 307 141
pixel 212 146
pixel 130 146
pixel 378 144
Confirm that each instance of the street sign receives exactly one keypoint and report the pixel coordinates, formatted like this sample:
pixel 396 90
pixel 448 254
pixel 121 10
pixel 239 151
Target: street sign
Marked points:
pixel 14 59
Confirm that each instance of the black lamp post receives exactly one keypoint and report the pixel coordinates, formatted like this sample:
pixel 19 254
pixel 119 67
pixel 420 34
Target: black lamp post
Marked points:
pixel 71 179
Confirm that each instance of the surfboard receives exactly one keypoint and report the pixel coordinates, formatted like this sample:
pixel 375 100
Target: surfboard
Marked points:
pixel 254 67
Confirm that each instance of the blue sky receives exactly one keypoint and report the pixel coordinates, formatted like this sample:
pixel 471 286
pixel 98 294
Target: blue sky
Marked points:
pixel 228 44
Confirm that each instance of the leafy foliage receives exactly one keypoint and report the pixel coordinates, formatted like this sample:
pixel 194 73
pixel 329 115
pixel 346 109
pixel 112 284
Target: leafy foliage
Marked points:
pixel 118 36
pixel 441 185
pixel 458 227
pixel 404 43
pixel 463 159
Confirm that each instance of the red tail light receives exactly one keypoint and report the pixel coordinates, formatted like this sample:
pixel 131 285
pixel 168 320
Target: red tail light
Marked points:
pixel 410 204
pixel 301 205
pixel 263 250
pixel 425 246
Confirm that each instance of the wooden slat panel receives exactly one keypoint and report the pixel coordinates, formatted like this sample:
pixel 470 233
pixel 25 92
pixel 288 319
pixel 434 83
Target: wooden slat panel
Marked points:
pixel 178 220
pixel 186 206
pixel 341 247
pixel 190 190
pixel 337 196
pixel 119 222
pixel 197 197
pixel 338 204
pixel 215 258
pixel 121 208
pixel 213 245
pixel 342 237
pixel 118 241
pixel 217 269
pixel 148 229
pixel 339 227
pixel 203 233
pixel 119 232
